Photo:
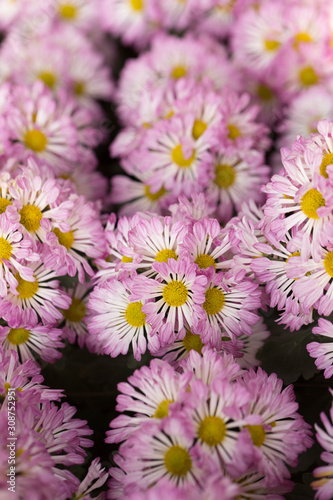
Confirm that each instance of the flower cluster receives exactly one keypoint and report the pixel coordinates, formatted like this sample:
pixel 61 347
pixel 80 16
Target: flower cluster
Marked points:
pixel 169 280
pixel 174 144
pixel 211 428
pixel 46 437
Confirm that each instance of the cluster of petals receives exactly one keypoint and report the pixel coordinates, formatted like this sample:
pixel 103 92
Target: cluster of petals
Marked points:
pixel 164 281
pixel 173 144
pixel 204 426
pixel 47 436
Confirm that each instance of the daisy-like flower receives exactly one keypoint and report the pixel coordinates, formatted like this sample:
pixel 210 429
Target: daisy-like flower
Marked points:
pixel 119 255
pixel 79 13
pixel 132 20
pixel 174 159
pixel 41 298
pixel 36 204
pixel 314 286
pixel 217 416
pixel 247 346
pixel 39 340
pixel 230 306
pixel 210 365
pixel 136 195
pixel 94 479
pixel 13 248
pixel 117 322
pixel 255 41
pixel 155 240
pixel 38 129
pixel 235 174
pixel 323 351
pixel 83 240
pixel 205 244
pixel 180 349
pixel 76 316
pixel 283 434
pixel 323 484
pixel 304 113
pixel 179 294
pixel 163 450
pixel 299 197
pixel 148 394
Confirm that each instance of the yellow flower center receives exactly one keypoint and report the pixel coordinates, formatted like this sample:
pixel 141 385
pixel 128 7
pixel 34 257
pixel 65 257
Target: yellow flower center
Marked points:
pixel 308 76
pixel 212 430
pixel 272 45
pixel 136 5
pixel 48 78
pixel 65 239
pixel 177 461
pixel 257 434
pixel 68 11
pixel 178 72
pixel 4 204
pixel 30 217
pixel 199 127
pixel 215 300
pixel 204 261
pixel 224 176
pixel 26 289
pixel 79 88
pixel 310 202
pixel 134 315
pixel 178 157
pixel 328 263
pixel 154 196
pixel 264 92
pixel 175 293
pixel 302 37
pixel 18 336
pixel 76 311
pixel 234 132
pixel 163 409
pixel 164 255
pixel 35 140
pixel 327 160
pixel 126 260
pixel 5 249
pixel 192 342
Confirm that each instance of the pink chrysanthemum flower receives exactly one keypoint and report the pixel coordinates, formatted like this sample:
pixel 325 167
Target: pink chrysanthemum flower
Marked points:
pixel 304 113
pixel 94 479
pixel 136 195
pixel 323 351
pixel 255 41
pixel 132 20
pixel 283 434
pixel 41 298
pixel 82 14
pixel 39 340
pixel 148 394
pixel 180 349
pixel 164 450
pixel 299 197
pixel 313 273
pixel 155 240
pixel 230 307
pixel 236 173
pixel 117 322
pixel 83 240
pixel 76 316
pixel 36 202
pixel 13 248
pixel 175 160
pixel 206 244
pixel 119 255
pixel 39 130
pixel 179 294
pixel 323 485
